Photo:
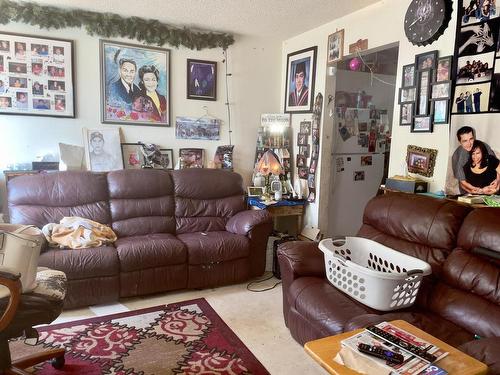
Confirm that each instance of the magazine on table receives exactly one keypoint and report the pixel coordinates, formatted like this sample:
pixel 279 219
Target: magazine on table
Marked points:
pixel 412 365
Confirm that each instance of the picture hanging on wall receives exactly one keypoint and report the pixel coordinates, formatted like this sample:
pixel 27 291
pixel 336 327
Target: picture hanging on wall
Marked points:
pixel 201 79
pixel 36 76
pixel 477 50
pixel 335 46
pixel 135 84
pixel 300 73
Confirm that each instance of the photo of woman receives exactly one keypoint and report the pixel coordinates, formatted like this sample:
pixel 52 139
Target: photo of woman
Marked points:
pixel 481 170
pixel 148 83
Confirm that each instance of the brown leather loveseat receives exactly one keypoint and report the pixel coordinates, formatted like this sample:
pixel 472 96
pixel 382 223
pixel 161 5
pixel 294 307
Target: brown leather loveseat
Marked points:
pixel 459 303
pixel 178 229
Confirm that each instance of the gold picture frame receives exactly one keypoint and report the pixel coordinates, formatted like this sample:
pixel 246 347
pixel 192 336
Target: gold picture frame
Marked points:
pixel 421 160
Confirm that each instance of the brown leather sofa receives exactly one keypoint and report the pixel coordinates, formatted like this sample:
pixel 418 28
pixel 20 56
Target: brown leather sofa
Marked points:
pixel 178 229
pixel 458 303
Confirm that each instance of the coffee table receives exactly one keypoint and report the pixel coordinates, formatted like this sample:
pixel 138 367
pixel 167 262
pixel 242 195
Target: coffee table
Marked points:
pixel 456 362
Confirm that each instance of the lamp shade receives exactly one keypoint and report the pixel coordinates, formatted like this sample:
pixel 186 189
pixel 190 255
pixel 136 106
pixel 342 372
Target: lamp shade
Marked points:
pixel 269 164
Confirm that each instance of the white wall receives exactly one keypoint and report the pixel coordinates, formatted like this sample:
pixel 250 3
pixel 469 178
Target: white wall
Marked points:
pixel 254 88
pixel 381 24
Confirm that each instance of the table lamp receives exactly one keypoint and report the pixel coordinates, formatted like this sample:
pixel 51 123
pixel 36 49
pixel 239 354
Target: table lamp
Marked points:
pixel 269 164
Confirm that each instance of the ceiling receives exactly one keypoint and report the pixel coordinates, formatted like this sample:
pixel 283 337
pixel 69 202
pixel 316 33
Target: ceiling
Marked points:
pixel 277 19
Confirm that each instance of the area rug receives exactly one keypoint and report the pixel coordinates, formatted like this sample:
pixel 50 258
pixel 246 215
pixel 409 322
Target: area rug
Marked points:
pixel 180 338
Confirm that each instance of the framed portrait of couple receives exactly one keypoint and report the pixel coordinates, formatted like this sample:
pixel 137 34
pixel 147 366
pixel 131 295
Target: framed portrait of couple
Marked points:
pixel 300 73
pixel 135 84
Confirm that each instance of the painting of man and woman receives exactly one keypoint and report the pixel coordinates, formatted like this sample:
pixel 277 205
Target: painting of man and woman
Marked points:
pixel 135 84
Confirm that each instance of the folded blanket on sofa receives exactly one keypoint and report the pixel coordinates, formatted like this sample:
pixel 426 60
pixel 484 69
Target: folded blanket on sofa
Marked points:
pixel 78 233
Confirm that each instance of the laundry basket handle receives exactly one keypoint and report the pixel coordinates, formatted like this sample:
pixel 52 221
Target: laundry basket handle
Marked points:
pixel 338 241
pixel 414 272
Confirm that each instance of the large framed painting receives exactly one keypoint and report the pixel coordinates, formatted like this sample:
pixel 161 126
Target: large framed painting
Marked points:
pixel 36 76
pixel 135 84
pixel 300 73
pixel 201 79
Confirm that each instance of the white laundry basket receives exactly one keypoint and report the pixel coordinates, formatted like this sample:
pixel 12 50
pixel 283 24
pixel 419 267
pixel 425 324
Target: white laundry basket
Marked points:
pixel 373 274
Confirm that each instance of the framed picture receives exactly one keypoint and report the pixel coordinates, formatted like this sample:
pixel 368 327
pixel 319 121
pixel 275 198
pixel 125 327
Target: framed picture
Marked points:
pixel 335 46
pixel 255 191
pixel 135 84
pixel 36 76
pixel 201 79
pixel 304 150
pixel 476 69
pixel 421 160
pixel 406 114
pixel 408 75
pixel 300 73
pixel 426 60
pixel 407 95
pixel 167 158
pixel 421 124
pixel 441 90
pixel 305 127
pixel 423 89
pixel 443 70
pixel 471 98
pixel 301 161
pixel 133 157
pixel 191 158
pixel 302 139
pixel 102 149
pixel 440 111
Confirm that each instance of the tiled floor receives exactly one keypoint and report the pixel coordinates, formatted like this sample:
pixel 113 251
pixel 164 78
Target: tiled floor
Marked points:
pixel 257 319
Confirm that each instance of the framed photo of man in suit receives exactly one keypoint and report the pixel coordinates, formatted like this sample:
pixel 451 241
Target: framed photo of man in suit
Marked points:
pixel 300 73
pixel 135 84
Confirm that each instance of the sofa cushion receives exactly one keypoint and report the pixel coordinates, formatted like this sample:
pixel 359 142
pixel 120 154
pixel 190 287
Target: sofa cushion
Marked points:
pixel 327 308
pixel 150 251
pixel 213 247
pixel 82 263
pixel 481 229
pixel 206 199
pixel 47 198
pixel 429 232
pixel 141 202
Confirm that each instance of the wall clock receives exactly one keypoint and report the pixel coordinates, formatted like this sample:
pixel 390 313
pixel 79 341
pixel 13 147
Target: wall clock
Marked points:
pixel 426 20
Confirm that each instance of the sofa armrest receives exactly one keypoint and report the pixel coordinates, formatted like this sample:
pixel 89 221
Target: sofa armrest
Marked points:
pixel 244 221
pixel 301 258
pixel 486 350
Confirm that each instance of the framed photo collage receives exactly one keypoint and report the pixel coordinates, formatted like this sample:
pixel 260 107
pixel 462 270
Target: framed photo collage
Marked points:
pixel 425 92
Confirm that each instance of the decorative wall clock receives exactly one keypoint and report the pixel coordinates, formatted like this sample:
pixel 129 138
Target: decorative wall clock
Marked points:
pixel 426 20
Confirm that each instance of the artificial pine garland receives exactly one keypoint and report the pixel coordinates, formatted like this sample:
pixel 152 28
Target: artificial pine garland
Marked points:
pixel 110 25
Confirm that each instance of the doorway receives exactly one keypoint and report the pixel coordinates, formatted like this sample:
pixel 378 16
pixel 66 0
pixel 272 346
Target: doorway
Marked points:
pixel 363 87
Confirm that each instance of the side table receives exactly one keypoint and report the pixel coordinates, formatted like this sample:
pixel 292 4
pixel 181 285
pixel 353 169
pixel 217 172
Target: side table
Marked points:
pixel 455 363
pixel 281 208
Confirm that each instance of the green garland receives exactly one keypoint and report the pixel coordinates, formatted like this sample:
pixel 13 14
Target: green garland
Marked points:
pixel 110 25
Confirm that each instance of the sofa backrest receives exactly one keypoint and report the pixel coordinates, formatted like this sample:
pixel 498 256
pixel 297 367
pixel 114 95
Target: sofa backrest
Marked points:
pixel 46 198
pixel 205 199
pixel 468 293
pixel 141 202
pixel 420 226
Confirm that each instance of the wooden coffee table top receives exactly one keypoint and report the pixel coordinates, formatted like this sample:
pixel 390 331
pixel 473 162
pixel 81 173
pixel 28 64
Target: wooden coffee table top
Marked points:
pixel 456 362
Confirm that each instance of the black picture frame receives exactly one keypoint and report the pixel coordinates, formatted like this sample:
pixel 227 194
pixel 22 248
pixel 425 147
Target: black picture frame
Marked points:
pixel 437 94
pixel 294 60
pixel 120 107
pixel 408 76
pixel 201 80
pixel 421 124
pixel 30 66
pixel 438 110
pixel 406 114
pixel 302 139
pixel 422 99
pixel 167 158
pixel 407 94
pixel 422 62
pixel 444 68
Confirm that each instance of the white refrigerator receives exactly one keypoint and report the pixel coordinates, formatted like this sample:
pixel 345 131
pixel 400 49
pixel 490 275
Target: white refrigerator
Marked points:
pixel 360 137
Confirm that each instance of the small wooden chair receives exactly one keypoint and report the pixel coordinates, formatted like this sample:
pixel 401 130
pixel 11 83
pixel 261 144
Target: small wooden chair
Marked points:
pixel 22 311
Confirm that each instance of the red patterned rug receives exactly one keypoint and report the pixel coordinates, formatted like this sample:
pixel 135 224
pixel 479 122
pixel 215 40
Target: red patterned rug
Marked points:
pixel 181 338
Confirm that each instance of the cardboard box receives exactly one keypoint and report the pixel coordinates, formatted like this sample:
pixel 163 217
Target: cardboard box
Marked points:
pixel 406 185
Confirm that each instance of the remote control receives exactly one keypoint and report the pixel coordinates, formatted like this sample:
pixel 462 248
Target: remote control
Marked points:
pixel 402 344
pixel 381 353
